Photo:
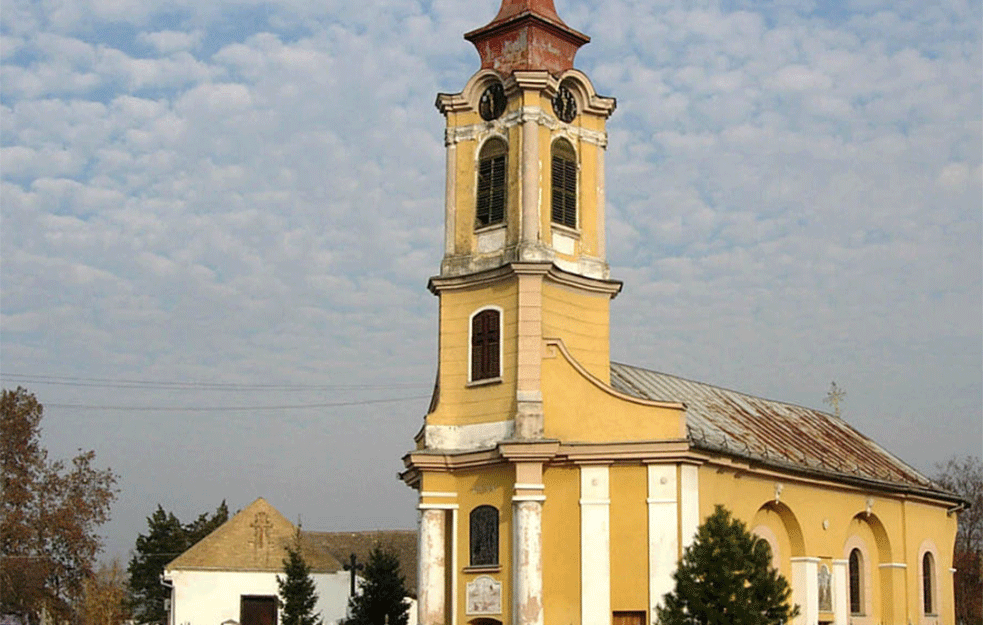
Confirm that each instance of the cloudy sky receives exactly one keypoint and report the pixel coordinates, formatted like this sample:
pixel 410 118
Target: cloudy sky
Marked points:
pixel 218 219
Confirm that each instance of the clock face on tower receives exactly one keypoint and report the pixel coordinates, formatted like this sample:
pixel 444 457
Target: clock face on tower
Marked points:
pixel 492 102
pixel 564 105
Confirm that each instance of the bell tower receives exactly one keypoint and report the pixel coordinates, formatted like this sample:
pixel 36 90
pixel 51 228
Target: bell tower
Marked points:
pixel 524 221
pixel 525 150
pixel 524 273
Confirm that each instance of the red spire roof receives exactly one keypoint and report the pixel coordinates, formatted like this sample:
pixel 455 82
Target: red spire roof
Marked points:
pixel 526 34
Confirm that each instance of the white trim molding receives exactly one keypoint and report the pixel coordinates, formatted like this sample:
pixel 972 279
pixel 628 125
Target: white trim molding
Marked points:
pixel 595 544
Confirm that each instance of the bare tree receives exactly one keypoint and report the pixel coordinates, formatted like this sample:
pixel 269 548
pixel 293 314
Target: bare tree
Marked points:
pixel 104 596
pixel 964 476
pixel 51 511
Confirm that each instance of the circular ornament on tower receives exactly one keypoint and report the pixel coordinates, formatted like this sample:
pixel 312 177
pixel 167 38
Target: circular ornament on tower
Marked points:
pixel 564 105
pixel 492 102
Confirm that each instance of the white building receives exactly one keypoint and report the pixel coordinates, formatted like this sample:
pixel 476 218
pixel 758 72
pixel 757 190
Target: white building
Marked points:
pixel 230 576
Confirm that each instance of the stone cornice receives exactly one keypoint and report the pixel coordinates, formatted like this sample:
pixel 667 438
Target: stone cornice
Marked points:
pixel 473 132
pixel 549 270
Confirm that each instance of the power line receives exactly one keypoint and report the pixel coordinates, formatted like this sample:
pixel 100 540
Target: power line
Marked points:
pixel 234 408
pixel 193 385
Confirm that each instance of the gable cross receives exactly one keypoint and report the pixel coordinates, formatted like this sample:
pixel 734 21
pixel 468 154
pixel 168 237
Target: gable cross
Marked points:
pixel 835 397
pixel 261 528
pixel 352 567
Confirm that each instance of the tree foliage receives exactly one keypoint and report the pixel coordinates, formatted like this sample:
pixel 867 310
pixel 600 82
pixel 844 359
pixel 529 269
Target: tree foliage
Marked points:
pixel 964 476
pixel 382 594
pixel 51 512
pixel 165 540
pixel 104 596
pixel 726 578
pixel 297 591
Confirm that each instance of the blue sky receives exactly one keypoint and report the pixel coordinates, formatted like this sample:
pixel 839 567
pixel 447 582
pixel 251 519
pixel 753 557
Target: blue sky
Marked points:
pixel 216 212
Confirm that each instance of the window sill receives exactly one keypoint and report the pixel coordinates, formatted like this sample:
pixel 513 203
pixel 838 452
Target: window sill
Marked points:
pixel 567 230
pixel 481 229
pixel 482 568
pixel 485 382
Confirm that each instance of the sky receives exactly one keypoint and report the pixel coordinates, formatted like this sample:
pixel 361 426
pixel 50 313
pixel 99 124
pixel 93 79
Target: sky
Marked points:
pixel 218 220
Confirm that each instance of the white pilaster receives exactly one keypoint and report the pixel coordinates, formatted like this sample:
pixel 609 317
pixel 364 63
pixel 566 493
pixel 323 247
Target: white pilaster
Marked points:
pixel 450 197
pixel 663 518
pixel 527 602
pixel 841 594
pixel 431 567
pixel 529 229
pixel 689 503
pixel 601 234
pixel 595 545
pixel 805 589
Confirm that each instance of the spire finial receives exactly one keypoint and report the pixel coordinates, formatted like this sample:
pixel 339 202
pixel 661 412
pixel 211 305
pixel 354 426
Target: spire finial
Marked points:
pixel 527 34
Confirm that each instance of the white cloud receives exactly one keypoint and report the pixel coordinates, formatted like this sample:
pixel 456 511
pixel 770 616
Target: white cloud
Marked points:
pixel 170 41
pixel 792 198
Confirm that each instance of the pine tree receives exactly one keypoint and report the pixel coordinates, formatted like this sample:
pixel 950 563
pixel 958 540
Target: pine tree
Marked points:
pixel 297 591
pixel 726 578
pixel 383 592
pixel 165 540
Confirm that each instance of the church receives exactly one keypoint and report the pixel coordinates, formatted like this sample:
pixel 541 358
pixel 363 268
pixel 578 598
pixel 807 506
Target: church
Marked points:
pixel 559 488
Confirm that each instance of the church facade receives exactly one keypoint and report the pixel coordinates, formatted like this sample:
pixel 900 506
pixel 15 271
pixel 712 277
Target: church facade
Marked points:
pixel 559 488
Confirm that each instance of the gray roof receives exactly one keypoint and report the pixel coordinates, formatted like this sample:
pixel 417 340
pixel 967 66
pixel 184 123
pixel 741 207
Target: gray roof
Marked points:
pixel 771 432
pixel 341 545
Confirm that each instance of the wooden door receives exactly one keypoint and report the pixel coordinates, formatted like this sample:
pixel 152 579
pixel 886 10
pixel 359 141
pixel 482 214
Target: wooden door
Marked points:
pixel 257 610
pixel 628 617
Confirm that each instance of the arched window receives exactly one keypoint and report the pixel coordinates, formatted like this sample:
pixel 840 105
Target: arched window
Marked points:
pixel 484 536
pixel 564 184
pixel 492 184
pixel 856 582
pixel 486 344
pixel 928 583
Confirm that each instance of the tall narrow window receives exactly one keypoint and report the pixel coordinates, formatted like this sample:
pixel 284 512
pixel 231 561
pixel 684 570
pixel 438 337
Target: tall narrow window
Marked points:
pixel 492 183
pixel 484 536
pixel 485 345
pixel 928 582
pixel 564 184
pixel 856 582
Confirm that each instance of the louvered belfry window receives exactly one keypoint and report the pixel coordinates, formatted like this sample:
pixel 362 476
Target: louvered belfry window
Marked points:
pixel 564 184
pixel 490 206
pixel 485 345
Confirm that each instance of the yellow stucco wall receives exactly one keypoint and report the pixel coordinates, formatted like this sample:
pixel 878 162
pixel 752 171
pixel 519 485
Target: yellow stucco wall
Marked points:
pixel 461 403
pixel 561 545
pixel 577 410
pixel 582 320
pixel 629 537
pixel 822 520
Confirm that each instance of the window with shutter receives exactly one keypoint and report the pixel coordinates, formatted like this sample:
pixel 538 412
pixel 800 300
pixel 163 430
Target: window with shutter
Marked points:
pixel 485 345
pixel 492 184
pixel 484 536
pixel 564 184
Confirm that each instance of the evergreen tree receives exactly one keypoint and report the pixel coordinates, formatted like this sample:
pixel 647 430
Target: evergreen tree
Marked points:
pixel 383 592
pixel 166 539
pixel 726 578
pixel 297 589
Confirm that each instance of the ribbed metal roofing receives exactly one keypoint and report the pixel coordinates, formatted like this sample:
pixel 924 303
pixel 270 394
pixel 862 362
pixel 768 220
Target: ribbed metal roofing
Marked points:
pixel 776 433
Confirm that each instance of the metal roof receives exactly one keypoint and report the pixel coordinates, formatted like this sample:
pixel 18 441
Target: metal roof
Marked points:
pixel 772 432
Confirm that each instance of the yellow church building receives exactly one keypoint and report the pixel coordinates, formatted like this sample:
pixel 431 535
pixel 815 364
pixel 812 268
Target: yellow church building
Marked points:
pixel 559 488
